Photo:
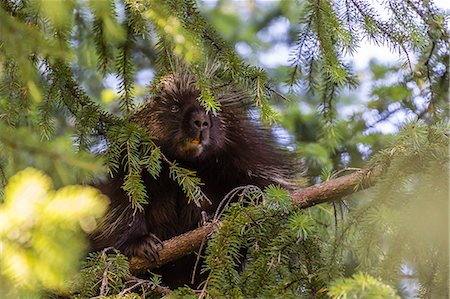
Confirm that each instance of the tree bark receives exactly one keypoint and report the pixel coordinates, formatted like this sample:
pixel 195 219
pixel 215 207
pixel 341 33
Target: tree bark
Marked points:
pixel 174 248
pixel 328 191
pixel 335 188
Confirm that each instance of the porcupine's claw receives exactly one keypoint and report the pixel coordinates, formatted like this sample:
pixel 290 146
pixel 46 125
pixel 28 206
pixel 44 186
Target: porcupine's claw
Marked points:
pixel 146 247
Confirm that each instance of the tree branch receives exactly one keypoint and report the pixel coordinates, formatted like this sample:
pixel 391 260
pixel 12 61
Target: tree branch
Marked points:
pixel 174 248
pixel 331 190
pixel 335 188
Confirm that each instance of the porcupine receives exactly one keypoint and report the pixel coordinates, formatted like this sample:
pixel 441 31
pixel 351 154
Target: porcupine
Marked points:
pixel 227 150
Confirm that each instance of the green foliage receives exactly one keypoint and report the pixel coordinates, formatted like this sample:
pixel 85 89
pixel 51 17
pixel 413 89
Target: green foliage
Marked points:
pixel 41 233
pixel 188 181
pixel 107 265
pixel 23 147
pixel 107 32
pixel 273 240
pixel 361 285
pixel 405 215
pixel 58 108
pixel 324 31
pixel 207 99
pixel 131 144
pixel 276 198
pixel 107 273
pixel 415 28
pixel 132 147
pixel 330 146
pixel 302 225
pixel 290 253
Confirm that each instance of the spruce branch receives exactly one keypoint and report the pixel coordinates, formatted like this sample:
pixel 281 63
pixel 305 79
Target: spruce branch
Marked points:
pixel 125 68
pixel 75 99
pixel 370 17
pixel 328 191
pixel 19 141
pixel 187 180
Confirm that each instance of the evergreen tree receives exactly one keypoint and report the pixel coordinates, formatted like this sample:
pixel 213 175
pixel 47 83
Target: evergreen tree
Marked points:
pixel 60 115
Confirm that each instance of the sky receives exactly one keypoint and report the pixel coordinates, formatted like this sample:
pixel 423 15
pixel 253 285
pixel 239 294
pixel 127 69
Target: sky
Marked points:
pixel 279 55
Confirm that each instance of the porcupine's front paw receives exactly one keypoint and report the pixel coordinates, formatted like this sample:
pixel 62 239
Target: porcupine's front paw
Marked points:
pixel 146 247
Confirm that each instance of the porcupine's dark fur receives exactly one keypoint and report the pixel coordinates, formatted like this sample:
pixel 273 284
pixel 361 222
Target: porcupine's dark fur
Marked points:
pixel 235 151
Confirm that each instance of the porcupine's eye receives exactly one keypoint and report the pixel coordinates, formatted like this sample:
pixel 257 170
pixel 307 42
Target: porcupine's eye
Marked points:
pixel 174 109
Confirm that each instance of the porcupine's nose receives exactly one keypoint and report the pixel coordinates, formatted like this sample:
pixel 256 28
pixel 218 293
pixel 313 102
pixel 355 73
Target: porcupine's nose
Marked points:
pixel 200 120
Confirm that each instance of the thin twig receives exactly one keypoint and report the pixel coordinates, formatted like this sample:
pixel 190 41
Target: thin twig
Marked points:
pixel 158 289
pixel 104 286
pixel 123 292
pixel 337 173
pixel 276 92
pixel 230 195
pixel 203 293
pixel 197 261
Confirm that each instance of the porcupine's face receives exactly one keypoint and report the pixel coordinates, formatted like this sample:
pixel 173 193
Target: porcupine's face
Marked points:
pixel 184 130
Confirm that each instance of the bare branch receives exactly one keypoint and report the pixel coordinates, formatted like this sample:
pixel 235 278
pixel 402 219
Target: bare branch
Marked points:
pixel 335 188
